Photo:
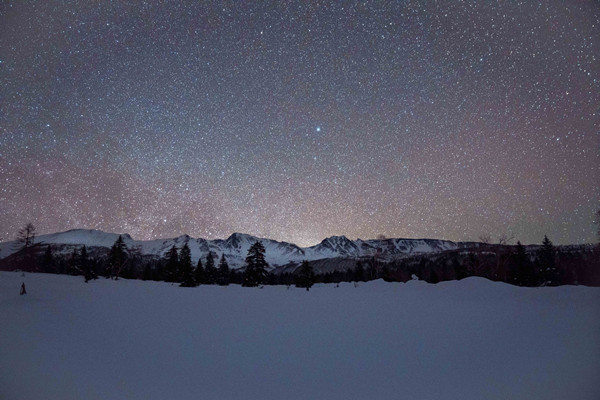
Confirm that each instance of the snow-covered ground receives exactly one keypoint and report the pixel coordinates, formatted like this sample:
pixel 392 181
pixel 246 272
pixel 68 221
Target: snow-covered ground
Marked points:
pixel 472 339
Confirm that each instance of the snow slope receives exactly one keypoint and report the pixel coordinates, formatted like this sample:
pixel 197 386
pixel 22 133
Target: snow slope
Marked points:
pixel 469 339
pixel 236 246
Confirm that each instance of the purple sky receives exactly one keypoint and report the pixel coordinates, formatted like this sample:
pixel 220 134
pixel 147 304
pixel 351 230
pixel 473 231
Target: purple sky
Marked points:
pixel 301 120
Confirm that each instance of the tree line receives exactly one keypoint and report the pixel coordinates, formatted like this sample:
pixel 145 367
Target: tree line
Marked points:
pixel 545 265
pixel 175 267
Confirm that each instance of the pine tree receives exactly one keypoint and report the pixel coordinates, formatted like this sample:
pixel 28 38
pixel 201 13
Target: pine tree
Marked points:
pixel 210 269
pixel 385 273
pixel 548 268
pixel 359 272
pixel 200 273
pixel 372 271
pixel 433 277
pixel 185 263
pixel 48 265
pixel 86 265
pixel 117 257
pixel 522 273
pixel 223 278
pixel 172 265
pixel 460 270
pixel 148 273
pixel 256 266
pixel 94 268
pixel 306 276
pixel 74 266
pixel 159 273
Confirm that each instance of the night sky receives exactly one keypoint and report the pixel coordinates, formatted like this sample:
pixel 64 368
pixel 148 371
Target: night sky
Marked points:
pixel 301 120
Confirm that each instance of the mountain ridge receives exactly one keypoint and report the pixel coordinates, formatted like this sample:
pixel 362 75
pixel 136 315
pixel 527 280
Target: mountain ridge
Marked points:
pixel 235 246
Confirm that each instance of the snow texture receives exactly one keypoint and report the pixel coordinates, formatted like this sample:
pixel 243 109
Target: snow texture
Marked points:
pixel 469 339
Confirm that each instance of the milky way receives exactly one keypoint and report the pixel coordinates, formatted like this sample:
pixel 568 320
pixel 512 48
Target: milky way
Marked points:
pixel 301 120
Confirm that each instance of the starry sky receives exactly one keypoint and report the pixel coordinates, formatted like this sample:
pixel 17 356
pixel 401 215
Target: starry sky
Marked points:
pixel 298 120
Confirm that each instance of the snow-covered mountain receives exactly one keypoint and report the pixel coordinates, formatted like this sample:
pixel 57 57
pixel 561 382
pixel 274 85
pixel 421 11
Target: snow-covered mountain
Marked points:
pixel 236 246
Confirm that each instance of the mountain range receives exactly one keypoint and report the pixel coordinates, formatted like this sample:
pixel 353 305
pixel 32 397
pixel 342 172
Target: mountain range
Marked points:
pixel 236 246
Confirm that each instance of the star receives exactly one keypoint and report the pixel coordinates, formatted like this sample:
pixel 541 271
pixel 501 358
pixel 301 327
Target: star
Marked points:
pixel 435 120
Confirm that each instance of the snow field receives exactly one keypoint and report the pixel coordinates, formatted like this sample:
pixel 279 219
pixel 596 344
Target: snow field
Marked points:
pixel 469 339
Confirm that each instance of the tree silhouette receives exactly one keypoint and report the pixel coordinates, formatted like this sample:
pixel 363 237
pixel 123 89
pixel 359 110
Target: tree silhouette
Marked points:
pixel 359 272
pixel 172 265
pixel 548 270
pixel 199 273
pixel 256 266
pixel 223 275
pixel 522 273
pixel 185 264
pixel 117 257
pixel 48 261
pixel 306 276
pixel 210 269
pixel 86 266
pixel 26 236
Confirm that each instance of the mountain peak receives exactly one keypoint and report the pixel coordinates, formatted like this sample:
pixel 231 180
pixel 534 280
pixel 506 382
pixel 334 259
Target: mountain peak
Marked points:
pixel 236 239
pixel 236 246
pixel 337 238
pixel 183 238
pixel 337 244
pixel 238 236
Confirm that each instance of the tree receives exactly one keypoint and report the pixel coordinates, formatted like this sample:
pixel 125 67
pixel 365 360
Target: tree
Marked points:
pixel 505 239
pixel 460 270
pixel 306 276
pixel 548 270
pixel 223 273
pixel 117 257
pixel 89 272
pixel 172 265
pixel 159 273
pixel 359 272
pixel 25 239
pixel 26 236
pixel 485 238
pixel 74 267
pixel 48 261
pixel 199 273
pixel 372 270
pixel 522 274
pixel 256 266
pixel 385 273
pixel 185 264
pixel 210 269
pixel 148 273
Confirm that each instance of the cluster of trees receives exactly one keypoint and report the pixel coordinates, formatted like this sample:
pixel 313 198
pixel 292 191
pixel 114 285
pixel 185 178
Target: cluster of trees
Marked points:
pixel 177 268
pixel 545 265
pixel 519 265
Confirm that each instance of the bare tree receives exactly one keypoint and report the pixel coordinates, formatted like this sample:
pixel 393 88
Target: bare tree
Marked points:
pixel 26 236
pixel 485 238
pixel 504 239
